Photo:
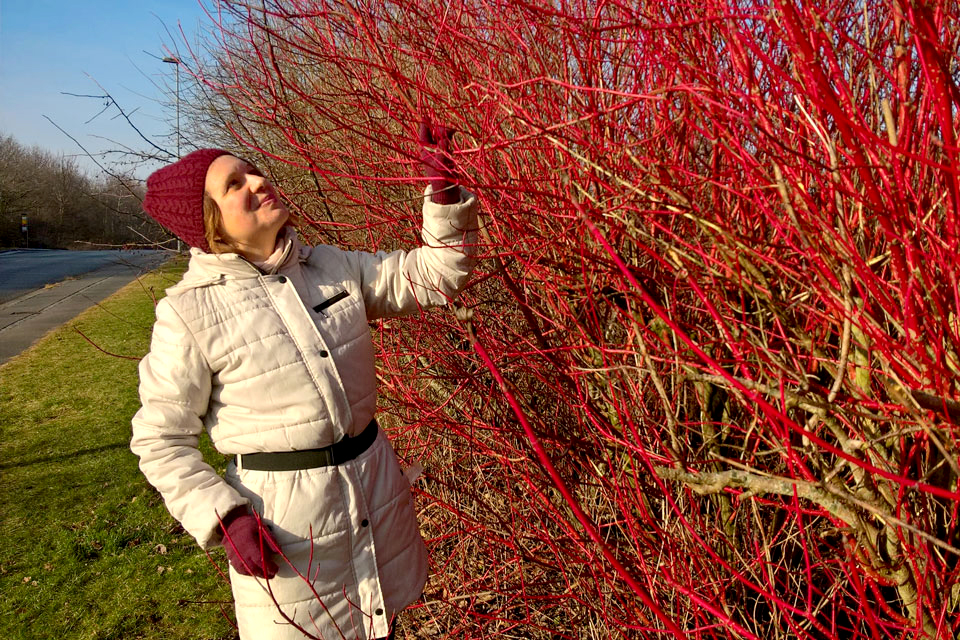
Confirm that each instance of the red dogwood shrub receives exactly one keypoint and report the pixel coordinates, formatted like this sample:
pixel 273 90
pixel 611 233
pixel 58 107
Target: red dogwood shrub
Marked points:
pixel 704 381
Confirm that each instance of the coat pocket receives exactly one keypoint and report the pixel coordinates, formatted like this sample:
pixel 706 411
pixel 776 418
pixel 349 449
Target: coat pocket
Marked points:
pixel 323 307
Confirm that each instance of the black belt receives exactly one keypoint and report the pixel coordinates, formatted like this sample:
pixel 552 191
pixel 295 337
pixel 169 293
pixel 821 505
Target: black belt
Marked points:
pixel 339 452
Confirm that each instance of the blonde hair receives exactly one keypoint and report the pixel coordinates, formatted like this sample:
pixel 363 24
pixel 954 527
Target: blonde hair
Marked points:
pixel 212 221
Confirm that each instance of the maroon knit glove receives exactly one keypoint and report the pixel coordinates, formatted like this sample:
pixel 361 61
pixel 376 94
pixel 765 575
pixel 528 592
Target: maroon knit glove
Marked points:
pixel 438 163
pixel 249 544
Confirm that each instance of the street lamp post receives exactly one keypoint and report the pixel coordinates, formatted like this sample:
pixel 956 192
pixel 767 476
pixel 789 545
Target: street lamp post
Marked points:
pixel 176 61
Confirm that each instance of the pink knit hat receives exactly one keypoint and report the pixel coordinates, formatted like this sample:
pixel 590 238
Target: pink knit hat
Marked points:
pixel 175 196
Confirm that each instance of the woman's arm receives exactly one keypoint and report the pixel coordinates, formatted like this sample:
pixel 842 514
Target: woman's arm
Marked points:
pixel 403 282
pixel 174 392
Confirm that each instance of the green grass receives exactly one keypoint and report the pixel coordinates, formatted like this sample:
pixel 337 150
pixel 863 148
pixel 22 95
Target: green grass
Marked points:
pixel 87 549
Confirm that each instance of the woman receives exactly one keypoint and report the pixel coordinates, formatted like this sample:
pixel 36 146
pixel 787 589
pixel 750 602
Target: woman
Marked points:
pixel 265 343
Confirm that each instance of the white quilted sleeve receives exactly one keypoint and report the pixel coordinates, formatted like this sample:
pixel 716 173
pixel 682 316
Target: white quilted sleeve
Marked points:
pixel 174 393
pixel 403 282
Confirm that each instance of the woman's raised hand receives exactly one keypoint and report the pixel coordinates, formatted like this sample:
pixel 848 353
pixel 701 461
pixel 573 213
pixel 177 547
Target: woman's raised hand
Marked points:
pixel 438 163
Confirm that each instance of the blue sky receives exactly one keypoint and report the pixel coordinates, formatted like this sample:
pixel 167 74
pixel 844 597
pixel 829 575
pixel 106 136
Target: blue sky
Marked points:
pixel 51 46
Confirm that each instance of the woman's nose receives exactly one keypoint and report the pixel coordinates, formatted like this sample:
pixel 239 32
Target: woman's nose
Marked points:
pixel 257 183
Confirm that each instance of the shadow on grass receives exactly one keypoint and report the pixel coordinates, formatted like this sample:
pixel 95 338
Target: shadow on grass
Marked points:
pixel 65 457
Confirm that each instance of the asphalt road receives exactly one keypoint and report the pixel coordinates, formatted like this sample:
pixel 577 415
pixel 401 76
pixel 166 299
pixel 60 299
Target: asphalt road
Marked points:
pixel 42 289
pixel 23 270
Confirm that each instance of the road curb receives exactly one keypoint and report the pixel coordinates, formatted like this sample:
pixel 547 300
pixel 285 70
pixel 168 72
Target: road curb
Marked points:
pixel 26 319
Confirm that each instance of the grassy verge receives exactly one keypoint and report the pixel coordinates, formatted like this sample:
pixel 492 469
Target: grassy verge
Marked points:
pixel 87 549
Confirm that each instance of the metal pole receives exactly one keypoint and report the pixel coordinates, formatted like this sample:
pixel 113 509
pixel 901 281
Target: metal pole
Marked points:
pixel 176 61
pixel 178 109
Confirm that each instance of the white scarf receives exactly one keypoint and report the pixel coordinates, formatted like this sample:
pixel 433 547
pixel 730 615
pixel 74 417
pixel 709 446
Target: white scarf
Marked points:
pixel 288 246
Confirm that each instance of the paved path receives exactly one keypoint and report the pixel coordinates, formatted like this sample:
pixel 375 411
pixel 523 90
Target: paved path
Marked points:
pixel 30 306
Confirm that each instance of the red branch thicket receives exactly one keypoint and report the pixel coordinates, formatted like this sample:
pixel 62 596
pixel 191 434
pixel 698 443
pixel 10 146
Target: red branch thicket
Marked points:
pixel 704 380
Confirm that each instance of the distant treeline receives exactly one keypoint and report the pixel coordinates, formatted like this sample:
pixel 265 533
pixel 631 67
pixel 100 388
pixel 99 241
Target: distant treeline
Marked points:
pixel 64 207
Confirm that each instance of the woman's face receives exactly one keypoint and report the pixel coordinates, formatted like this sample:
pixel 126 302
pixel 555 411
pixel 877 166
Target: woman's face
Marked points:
pixel 252 213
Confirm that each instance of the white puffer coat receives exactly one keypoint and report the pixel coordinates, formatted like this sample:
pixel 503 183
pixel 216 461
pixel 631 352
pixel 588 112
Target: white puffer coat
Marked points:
pixel 247 357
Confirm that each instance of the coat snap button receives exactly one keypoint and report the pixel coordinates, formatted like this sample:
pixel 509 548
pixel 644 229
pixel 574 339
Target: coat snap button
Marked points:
pixel 379 612
pixel 282 279
pixel 323 353
pixel 364 522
